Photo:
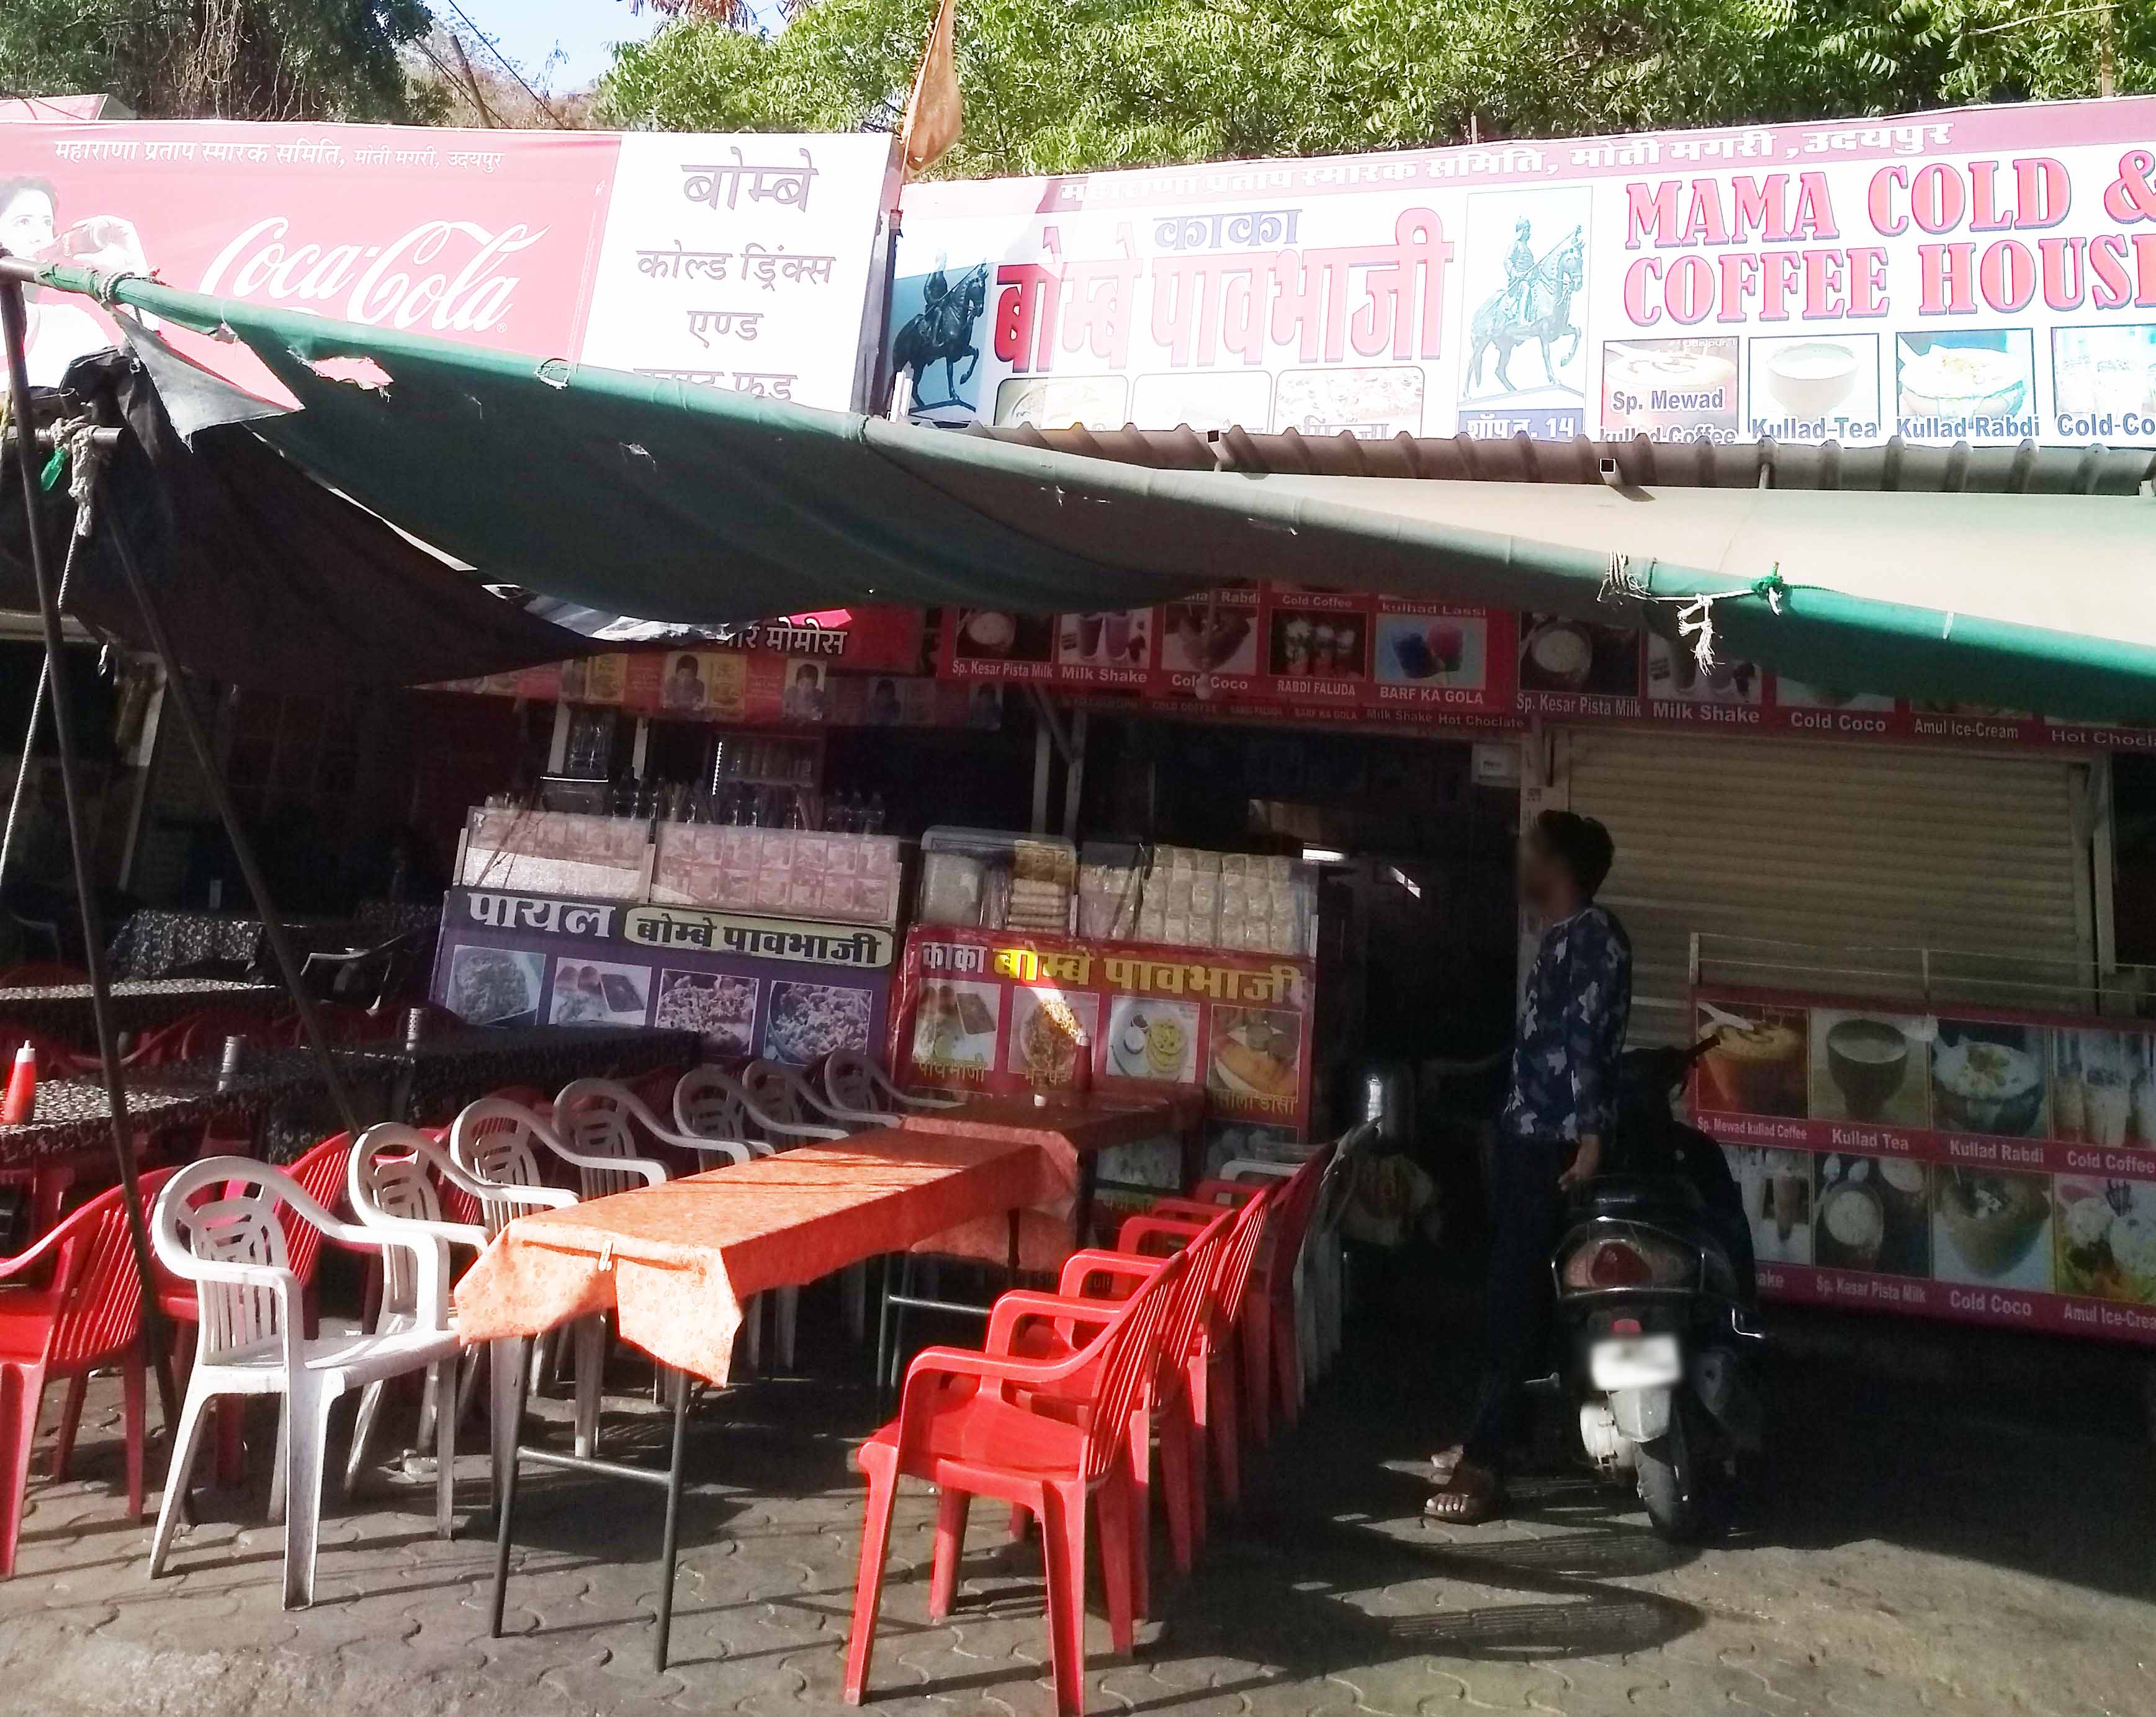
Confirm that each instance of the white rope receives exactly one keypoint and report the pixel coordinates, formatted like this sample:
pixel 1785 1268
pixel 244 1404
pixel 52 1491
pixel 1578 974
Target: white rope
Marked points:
pixel 86 459
pixel 1695 613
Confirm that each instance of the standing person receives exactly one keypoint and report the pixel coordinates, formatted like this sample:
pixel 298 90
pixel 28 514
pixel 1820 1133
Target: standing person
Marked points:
pixel 1550 1138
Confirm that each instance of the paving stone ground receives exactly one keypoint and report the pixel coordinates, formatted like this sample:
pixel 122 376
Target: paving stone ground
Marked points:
pixel 1918 1547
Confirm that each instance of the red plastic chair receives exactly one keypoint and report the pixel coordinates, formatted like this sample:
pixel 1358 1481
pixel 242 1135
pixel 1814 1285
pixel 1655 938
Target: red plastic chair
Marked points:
pixel 200 1036
pixel 37 973
pixel 973 1424
pixel 1268 1359
pixel 87 1313
pixel 50 1178
pixel 1211 1369
pixel 155 1048
pixel 1042 1326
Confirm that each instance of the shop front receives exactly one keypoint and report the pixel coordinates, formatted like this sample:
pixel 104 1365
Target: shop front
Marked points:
pixel 1768 309
pixel 1792 677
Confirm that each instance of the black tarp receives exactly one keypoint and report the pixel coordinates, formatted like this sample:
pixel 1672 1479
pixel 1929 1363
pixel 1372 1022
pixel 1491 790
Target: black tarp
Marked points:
pixel 266 578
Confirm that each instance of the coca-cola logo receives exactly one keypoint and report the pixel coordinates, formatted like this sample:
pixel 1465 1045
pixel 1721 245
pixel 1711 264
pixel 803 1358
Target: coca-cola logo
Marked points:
pixel 405 284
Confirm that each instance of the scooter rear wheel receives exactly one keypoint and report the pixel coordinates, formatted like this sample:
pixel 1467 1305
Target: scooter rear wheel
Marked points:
pixel 1682 1481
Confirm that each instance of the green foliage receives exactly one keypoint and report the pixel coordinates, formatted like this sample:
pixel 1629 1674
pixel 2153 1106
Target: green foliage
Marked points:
pixel 239 59
pixel 1065 85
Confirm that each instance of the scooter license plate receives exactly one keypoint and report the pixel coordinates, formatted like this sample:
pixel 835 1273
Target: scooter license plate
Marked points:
pixel 1636 1362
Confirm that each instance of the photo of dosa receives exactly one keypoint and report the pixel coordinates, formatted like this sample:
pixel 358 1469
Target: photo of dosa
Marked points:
pixel 1256 1052
pixel 1043 1038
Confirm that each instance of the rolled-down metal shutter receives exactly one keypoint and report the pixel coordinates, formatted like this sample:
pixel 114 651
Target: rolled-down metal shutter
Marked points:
pixel 1981 857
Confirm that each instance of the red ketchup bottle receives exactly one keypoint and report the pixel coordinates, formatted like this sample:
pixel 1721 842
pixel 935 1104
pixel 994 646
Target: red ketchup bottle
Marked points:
pixel 21 1102
pixel 1081 1076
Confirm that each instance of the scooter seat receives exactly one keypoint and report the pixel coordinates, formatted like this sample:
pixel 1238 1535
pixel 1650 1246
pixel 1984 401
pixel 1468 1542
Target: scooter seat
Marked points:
pixel 1640 1198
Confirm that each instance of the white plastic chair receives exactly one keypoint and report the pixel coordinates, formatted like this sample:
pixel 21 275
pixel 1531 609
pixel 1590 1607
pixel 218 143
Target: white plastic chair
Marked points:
pixel 389 1177
pixel 779 1100
pixel 496 1140
pixel 251 1338
pixel 711 1104
pixel 600 1116
pixel 856 1084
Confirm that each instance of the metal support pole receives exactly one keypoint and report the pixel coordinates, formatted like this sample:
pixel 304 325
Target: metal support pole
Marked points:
pixel 1043 754
pixel 14 316
pixel 199 740
pixel 36 715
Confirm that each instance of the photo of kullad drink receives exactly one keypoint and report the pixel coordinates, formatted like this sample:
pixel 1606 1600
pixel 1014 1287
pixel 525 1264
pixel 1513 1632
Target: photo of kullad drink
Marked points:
pixel 1873 1214
pixel 1757 1066
pixel 1988 1078
pixel 1868 1067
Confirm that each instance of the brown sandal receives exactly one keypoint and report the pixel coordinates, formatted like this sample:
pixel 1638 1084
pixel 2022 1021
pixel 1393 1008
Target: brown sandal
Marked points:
pixel 1472 1495
pixel 1442 1463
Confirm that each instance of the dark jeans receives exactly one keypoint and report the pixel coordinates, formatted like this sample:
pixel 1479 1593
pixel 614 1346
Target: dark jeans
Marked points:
pixel 1526 1214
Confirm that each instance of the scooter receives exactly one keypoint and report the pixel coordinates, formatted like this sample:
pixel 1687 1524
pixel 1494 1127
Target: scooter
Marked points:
pixel 1657 1300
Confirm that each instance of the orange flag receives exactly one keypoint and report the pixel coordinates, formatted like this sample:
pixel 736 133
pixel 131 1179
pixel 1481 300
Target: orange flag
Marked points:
pixel 933 119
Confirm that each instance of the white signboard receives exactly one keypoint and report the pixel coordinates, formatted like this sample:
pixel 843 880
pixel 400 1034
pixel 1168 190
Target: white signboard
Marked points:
pixel 1986 275
pixel 740 262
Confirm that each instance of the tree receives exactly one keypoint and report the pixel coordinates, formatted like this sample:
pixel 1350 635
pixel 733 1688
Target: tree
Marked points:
pixel 460 78
pixel 235 58
pixel 1065 85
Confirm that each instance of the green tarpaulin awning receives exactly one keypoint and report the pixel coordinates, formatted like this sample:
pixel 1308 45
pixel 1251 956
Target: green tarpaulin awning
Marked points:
pixel 660 499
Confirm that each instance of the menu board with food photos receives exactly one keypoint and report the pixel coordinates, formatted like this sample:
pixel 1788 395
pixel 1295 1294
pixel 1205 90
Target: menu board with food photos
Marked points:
pixel 999 1011
pixel 786 988
pixel 1300 653
pixel 1269 645
pixel 1976 1164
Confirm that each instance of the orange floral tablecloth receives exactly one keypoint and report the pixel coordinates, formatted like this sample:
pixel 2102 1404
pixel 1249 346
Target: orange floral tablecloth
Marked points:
pixel 677 1263
pixel 1067 1131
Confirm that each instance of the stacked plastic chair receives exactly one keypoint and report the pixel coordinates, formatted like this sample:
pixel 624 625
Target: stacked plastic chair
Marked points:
pixel 1048 1436
pixel 80 1307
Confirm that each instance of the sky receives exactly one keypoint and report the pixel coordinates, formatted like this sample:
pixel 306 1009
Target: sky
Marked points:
pixel 527 31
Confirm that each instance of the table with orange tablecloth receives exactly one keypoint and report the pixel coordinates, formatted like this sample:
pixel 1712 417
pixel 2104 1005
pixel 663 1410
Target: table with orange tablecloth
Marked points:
pixel 677 1263
pixel 1071 1132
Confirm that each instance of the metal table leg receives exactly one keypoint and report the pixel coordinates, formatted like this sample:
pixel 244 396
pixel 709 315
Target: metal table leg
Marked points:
pixel 510 1376
pixel 672 1541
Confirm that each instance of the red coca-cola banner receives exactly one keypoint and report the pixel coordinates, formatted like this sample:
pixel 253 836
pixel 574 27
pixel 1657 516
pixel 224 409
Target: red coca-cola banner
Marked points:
pixel 722 262
pixel 1979 1164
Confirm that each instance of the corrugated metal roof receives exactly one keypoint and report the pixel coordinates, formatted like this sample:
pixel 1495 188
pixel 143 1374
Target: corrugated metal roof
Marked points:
pixel 1898 465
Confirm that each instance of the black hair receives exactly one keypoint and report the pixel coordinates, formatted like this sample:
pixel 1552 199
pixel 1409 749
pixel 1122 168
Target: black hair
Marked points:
pixel 1579 844
pixel 11 188
pixel 688 662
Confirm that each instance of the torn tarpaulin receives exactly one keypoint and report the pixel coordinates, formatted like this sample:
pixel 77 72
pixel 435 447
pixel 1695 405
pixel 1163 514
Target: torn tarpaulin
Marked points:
pixel 265 578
